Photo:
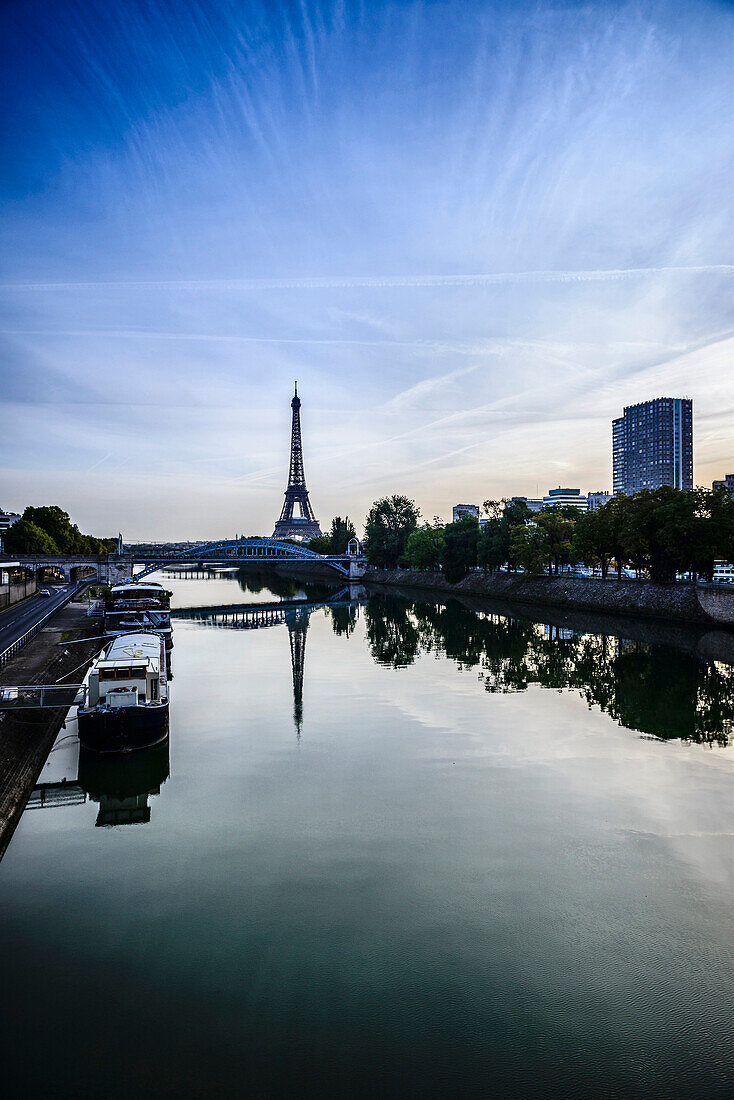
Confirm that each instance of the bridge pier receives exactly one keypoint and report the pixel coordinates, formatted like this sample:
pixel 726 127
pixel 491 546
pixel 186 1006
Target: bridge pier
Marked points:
pixel 118 570
pixel 357 568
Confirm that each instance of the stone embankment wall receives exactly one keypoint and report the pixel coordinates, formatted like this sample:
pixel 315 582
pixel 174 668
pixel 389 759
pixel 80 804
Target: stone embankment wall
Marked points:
pixel 11 593
pixel 673 602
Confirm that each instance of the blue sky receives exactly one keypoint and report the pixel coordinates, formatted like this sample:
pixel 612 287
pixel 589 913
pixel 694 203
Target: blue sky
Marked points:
pixel 472 232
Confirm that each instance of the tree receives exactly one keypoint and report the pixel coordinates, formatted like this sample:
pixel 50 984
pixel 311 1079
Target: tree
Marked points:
pixel 459 553
pixel 494 544
pixel 25 537
pixel 529 547
pixel 612 530
pixel 424 546
pixel 56 524
pixel 515 514
pixel 388 527
pixel 588 542
pixel 493 508
pixel 556 525
pixel 342 530
pixel 320 545
pixel 648 530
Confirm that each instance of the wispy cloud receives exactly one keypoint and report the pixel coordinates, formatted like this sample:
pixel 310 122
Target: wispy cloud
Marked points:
pixel 387 282
pixel 472 232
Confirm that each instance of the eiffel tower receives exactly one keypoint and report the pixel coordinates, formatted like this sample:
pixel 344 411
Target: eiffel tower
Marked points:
pixel 306 525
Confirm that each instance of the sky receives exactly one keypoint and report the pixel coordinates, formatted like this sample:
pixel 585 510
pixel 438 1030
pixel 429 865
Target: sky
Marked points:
pixel 472 231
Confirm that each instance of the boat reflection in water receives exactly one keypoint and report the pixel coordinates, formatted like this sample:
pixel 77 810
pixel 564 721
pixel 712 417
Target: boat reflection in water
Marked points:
pixel 122 783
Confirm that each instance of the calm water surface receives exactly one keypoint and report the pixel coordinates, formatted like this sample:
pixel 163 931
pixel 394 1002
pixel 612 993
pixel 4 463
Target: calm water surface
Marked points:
pixel 394 849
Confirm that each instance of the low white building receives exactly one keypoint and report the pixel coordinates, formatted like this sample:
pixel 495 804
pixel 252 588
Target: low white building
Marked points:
pixel 724 572
pixel 535 504
pixel 597 500
pixel 465 510
pixel 725 483
pixel 565 498
pixel 7 519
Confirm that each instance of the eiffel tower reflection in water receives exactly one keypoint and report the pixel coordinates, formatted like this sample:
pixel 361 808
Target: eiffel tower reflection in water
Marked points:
pixel 297 630
pixel 294 614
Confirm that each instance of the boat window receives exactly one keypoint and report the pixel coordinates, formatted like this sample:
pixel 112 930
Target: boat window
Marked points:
pixel 122 673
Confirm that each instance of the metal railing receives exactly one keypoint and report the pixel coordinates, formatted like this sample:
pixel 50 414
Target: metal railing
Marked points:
pixel 35 696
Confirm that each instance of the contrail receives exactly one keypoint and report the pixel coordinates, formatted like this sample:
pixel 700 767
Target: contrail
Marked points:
pixel 378 282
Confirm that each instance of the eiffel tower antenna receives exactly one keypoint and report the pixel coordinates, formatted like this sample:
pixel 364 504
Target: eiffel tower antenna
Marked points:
pixel 304 526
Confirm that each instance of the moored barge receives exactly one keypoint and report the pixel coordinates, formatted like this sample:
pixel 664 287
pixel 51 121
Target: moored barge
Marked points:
pixel 126 705
pixel 138 606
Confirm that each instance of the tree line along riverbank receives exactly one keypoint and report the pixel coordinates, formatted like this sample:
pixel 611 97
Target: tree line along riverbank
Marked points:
pixel 661 533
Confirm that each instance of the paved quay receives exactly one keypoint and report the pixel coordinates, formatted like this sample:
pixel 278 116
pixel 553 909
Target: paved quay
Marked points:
pixel 26 739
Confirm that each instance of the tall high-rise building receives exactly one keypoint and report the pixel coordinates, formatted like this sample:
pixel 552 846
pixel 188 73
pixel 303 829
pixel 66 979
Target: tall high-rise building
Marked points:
pixel 652 445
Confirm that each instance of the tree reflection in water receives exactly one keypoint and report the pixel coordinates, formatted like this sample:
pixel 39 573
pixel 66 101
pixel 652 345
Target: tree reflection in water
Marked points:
pixel 655 689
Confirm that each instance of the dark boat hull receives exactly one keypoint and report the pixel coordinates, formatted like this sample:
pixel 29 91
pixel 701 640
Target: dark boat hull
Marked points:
pixel 123 730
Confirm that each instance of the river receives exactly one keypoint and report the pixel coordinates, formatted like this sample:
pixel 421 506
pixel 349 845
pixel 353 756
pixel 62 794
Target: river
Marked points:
pixel 394 848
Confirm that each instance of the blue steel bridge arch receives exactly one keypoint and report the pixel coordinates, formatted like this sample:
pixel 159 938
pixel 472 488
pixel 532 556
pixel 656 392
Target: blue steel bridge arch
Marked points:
pixel 252 549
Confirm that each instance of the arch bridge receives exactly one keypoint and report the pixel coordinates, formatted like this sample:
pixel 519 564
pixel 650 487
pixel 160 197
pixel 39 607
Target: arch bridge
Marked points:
pixel 115 567
pixel 70 568
pixel 234 551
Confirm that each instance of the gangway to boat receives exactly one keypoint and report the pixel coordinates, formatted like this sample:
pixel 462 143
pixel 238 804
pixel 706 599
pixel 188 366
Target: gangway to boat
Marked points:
pixel 35 696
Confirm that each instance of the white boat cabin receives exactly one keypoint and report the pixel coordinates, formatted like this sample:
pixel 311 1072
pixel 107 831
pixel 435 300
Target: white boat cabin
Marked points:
pixel 132 592
pixel 129 674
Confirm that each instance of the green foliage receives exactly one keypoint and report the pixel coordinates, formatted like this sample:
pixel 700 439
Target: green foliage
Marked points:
pixel 529 547
pixel 342 530
pixel 25 537
pixel 494 544
pixel 516 512
pixel 661 531
pixel 555 529
pixel 390 522
pixel 493 508
pixel 337 540
pixel 424 546
pixel 459 553
pixel 592 539
pixel 61 536
pixel 320 545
